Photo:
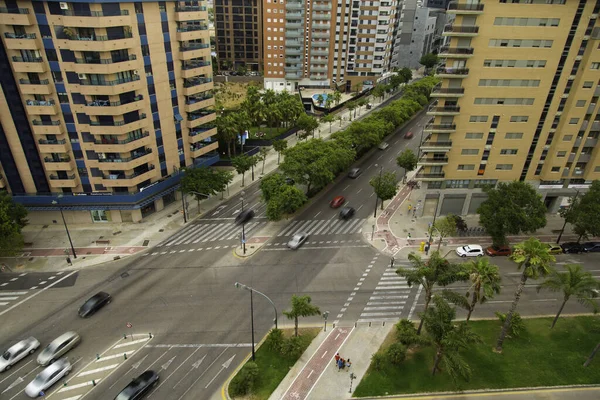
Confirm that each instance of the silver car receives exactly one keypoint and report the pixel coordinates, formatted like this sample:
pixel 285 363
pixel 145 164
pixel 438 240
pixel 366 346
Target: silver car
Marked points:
pixel 297 240
pixel 48 377
pixel 17 352
pixel 58 347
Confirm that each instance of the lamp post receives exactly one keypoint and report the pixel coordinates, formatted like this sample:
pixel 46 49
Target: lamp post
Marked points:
pixel 243 227
pixel 251 290
pixel 378 187
pixel 325 315
pixel 184 203
pixel 55 202
pixel 565 224
pixel 434 217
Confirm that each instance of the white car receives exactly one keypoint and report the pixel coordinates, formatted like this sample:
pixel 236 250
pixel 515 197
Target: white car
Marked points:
pixel 17 352
pixel 48 377
pixel 470 250
pixel 297 240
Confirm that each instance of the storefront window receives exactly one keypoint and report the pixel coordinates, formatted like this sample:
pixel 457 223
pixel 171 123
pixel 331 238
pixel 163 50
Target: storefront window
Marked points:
pixel 99 216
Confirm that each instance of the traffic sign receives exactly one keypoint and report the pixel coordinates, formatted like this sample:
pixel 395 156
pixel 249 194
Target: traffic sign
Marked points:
pixel 129 325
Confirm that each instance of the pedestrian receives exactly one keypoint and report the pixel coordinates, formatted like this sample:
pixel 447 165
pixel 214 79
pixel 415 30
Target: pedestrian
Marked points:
pixel 408 238
pixel 341 363
pixel 337 358
pixel 348 364
pixel 409 207
pixel 427 248
pixel 391 266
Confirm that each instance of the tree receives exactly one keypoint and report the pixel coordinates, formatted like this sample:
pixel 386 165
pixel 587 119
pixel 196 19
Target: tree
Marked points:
pixel 291 199
pixel 279 146
pixel 533 258
pixel 328 102
pixel 429 60
pixel 262 156
pixel 12 221
pixel 320 100
pixel 270 185
pixel 361 103
pixel 591 356
pixel 584 212
pixel 351 105
pixel 386 187
pixel 301 307
pixel 445 226
pixel 307 124
pixel 378 91
pixel 329 118
pixel 203 181
pixel 436 271
pixel 575 281
pixel 242 164
pixel 485 283
pixel 511 208
pixel 254 160
pixel 406 73
pixel 407 160
pixel 223 178
pixel 448 339
pixel 461 225
pixel 226 132
pixel 337 97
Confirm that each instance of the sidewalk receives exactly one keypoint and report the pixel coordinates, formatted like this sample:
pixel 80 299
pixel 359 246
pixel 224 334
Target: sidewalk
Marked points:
pixel 47 245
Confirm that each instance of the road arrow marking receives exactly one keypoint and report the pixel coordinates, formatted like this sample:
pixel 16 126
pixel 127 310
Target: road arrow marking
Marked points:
pixel 166 365
pixel 225 365
pixel 195 365
pixel 219 210
pixel 236 212
pixel 12 385
pixel 137 364
pixel 202 374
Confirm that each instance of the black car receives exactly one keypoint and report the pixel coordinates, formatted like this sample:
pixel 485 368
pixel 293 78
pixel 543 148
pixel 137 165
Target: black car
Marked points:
pixel 591 247
pixel 139 387
pixel 572 247
pixel 347 212
pixel 354 173
pixel 244 216
pixel 94 303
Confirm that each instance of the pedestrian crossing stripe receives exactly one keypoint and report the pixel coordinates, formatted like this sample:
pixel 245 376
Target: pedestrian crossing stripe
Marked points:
pixel 200 233
pixel 324 227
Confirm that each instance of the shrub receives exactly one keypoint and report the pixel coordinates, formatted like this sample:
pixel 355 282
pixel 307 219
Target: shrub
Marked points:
pixel 406 333
pixel 243 383
pixel 275 340
pixel 378 361
pixel 292 347
pixel 396 353
pixel 516 324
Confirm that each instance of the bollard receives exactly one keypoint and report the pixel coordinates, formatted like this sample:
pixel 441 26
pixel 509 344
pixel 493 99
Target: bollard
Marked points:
pixel 369 324
pixel 355 324
pixel 124 336
pixel 97 356
pixel 125 355
pixel 383 323
pixel 65 383
pixel 334 325
pixel 93 382
pixel 150 335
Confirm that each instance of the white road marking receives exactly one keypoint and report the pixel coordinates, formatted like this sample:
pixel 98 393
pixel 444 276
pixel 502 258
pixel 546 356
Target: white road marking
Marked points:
pixel 317 214
pixel 93 371
pixel 13 293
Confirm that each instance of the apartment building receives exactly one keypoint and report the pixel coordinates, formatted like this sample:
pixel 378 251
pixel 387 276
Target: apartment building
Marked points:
pixel 518 101
pixel 102 104
pixel 239 34
pixel 326 43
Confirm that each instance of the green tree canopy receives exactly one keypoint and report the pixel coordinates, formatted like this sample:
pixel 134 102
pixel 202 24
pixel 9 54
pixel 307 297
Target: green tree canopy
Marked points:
pixel 279 146
pixel 407 160
pixel 444 227
pixel 242 164
pixel 511 208
pixel 386 187
pixel 329 118
pixel 270 185
pixel 584 212
pixel 429 60
pixel 200 180
pixel 406 74
pixel 12 220
pixel 301 307
pixel 307 125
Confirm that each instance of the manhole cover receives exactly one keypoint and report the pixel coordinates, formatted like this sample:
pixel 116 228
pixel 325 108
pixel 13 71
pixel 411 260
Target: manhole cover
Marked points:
pixel 145 243
pixel 124 274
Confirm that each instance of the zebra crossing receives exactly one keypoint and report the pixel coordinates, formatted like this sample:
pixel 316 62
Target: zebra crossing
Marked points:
pixel 208 232
pixel 324 227
pixel 388 299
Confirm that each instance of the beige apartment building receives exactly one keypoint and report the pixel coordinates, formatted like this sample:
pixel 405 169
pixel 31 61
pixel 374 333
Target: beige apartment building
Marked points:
pixel 102 104
pixel 518 101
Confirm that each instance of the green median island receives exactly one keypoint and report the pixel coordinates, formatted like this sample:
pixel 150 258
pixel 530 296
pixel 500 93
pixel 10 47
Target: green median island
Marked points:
pixel 537 356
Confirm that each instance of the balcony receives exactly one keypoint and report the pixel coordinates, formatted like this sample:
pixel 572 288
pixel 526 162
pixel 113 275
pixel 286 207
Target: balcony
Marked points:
pixel 320 44
pixel 105 65
pixel 428 177
pixel 200 118
pixel 108 88
pixel 110 144
pixel 320 35
pixel 434 109
pixel 69 181
pixel 590 142
pixel 195 68
pixel 118 127
pixel 195 103
pixel 128 180
pixel 293 52
pixel 444 72
pixel 318 69
pixel 322 25
pixel 197 85
pixel 443 128
pixel 202 132
pixel 293 76
pixel 199 149
pixel 38 107
pixel 440 146
pixel 298 44
pixel 293 68
pixel 29 64
pixel 319 60
pixel 447 92
pixel 425 161
pixel 456 52
pixel 194 50
pixel 321 17
pixel 96 19
pixel 105 107
pixel 294 6
pixel 293 25
pixel 52 146
pixel 319 52
pixel 189 12
pixel 101 43
pixel 125 163
pixel 46 128
pixel 318 77
pixel 41 86
pixel 62 163
pixel 461 8
pixel 294 33
pixel 321 7
pixel 17 16
pixel 193 32
pixel 460 30
pixel 20 41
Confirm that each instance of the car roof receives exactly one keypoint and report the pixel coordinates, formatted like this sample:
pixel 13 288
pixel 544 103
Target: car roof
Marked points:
pixel 56 366
pixel 64 337
pixel 473 246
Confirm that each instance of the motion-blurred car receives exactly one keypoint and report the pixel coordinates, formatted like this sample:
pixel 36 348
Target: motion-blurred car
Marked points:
pixel 139 386
pixel 94 303
pixel 572 247
pixel 244 217
pixel 58 347
pixel 337 201
pixel 591 247
pixel 383 145
pixel 297 240
pixel 354 173
pixel 554 248
pixel 470 250
pixel 494 251
pixel 48 377
pixel 408 135
pixel 347 213
pixel 17 352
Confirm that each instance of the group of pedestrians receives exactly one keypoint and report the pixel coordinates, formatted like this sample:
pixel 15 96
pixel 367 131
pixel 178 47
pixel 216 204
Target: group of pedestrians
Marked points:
pixel 342 364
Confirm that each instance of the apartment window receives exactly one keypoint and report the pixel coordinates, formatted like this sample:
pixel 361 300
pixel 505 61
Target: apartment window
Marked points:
pixel 511 21
pixel 561 153
pixel 478 118
pixel 580 103
pixel 481 183
pixel 513 135
pixel 519 118
pixel 458 184
pixel 515 63
pixel 474 135
pixel 138 8
pixel 588 84
pixel 504 167
pixel 469 152
pixel 466 167
pixel 508 152
pixel 573 121
pixel 145 50
pixel 555 169
pixel 162 6
pixel 520 43
pixel 597 169
pixel 510 82
pixel 595 65
pixel 567 138
pixel 504 101
pixel 63 98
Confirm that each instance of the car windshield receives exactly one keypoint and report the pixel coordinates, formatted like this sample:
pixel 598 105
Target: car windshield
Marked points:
pixel 6 355
pixel 42 377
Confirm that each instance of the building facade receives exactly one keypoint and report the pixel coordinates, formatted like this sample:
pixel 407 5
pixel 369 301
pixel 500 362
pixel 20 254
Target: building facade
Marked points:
pixel 102 104
pixel 518 101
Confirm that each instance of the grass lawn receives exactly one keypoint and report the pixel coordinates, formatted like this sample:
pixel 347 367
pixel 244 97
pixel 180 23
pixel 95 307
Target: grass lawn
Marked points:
pixel 273 367
pixel 540 357
pixel 269 133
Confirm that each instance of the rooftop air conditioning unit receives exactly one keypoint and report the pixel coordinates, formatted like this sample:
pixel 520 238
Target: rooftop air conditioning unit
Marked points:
pixel 64 6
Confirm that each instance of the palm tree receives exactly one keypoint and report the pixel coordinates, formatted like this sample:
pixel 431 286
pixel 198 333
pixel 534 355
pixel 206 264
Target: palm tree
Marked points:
pixel 574 282
pixel 226 132
pixel 351 106
pixel 337 97
pixel 533 256
pixel 329 118
pixel 361 103
pixel 301 307
pixel 436 271
pixel 320 99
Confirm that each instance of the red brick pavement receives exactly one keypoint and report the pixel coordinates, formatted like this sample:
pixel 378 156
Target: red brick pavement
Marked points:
pixel 321 359
pixel 82 251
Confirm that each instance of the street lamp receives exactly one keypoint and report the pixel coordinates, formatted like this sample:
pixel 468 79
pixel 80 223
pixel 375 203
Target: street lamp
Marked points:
pixel 565 224
pixel 378 187
pixel 243 226
pixel 55 202
pixel 251 290
pixel 325 315
pixel 434 217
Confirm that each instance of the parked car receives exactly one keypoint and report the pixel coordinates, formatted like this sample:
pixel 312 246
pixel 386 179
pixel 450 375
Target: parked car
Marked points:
pixel 297 240
pixel 408 135
pixel 48 377
pixel 354 173
pixel 383 145
pixel 94 303
pixel 470 250
pixel 572 247
pixel 337 201
pixel 493 251
pixel 244 216
pixel 17 352
pixel 58 347
pixel 347 213
pixel 554 248
pixel 591 247
pixel 139 386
